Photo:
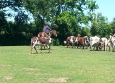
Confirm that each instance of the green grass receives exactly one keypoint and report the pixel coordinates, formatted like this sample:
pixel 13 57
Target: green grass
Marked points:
pixel 62 64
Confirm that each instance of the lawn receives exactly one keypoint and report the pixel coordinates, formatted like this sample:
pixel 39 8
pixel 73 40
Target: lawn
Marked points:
pixel 62 64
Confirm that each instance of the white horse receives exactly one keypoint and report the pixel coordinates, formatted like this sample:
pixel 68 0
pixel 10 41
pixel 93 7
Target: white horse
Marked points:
pixel 112 40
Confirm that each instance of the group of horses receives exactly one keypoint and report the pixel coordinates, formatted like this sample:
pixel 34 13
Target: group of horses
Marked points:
pixel 73 41
pixel 94 42
pixel 42 39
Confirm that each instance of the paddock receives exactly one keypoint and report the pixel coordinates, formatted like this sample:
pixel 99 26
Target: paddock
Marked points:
pixel 64 65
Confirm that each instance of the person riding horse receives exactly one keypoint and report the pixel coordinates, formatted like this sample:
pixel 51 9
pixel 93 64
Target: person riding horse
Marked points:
pixel 47 32
pixel 47 29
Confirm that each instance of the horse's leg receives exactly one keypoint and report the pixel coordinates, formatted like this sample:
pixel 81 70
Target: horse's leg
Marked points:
pixel 41 48
pixel 31 48
pixel 67 44
pixel 113 48
pixel 44 47
pixel 86 46
pixel 83 45
pixel 48 48
pixel 104 47
pixel 35 49
pixel 109 48
pixel 94 47
pixel 34 46
pixel 72 44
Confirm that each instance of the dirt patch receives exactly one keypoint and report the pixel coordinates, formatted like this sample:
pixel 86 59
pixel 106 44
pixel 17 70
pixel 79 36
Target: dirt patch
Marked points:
pixel 30 69
pixel 62 79
pixel 3 65
pixel 8 77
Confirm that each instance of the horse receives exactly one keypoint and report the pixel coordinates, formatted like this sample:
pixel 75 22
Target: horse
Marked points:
pixel 40 41
pixel 82 41
pixel 112 41
pixel 71 40
pixel 96 42
pixel 44 34
pixel 104 42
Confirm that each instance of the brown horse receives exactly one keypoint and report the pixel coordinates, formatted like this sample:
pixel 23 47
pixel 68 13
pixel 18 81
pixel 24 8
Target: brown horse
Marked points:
pixel 83 41
pixel 41 41
pixel 43 34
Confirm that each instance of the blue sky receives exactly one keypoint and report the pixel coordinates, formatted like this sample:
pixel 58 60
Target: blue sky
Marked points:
pixel 107 8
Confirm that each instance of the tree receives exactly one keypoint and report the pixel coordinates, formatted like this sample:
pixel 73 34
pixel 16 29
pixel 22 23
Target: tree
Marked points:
pixel 3 22
pixel 85 31
pixel 113 26
pixel 67 15
pixel 100 25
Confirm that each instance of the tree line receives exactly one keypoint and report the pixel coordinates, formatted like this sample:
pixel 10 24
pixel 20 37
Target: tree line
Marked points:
pixel 67 17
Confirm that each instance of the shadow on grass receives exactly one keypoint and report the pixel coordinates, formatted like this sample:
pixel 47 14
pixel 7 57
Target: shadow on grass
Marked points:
pixel 42 53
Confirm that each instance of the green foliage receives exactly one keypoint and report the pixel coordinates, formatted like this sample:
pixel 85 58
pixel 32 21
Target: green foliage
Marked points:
pixel 113 26
pixel 11 3
pixel 3 22
pixel 65 16
pixel 85 31
pixel 51 10
pixel 92 5
pixel 100 26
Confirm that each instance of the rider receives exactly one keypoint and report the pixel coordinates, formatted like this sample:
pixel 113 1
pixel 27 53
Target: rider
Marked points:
pixel 47 29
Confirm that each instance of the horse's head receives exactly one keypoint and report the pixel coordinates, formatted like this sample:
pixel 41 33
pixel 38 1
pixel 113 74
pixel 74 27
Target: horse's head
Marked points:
pixel 54 33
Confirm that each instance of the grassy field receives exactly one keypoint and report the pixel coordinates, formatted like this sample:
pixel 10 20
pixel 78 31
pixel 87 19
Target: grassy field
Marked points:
pixel 62 64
